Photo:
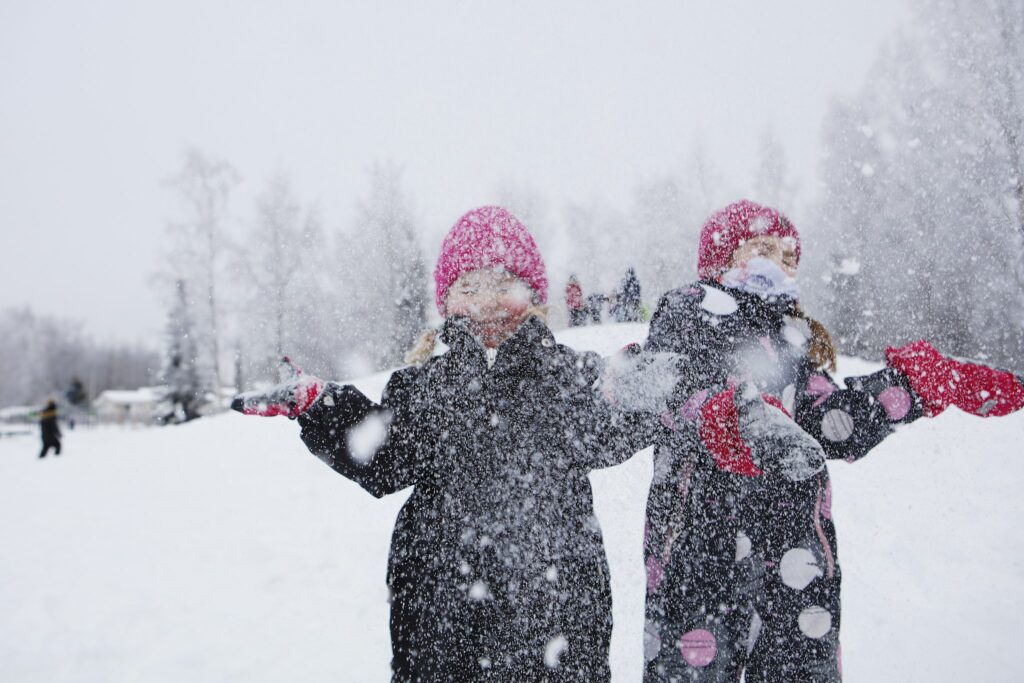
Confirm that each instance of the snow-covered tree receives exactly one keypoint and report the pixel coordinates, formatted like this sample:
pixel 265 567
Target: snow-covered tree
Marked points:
pixel 281 271
pixel 184 387
pixel 663 238
pixel 920 219
pixel 772 183
pixel 198 249
pixel 383 272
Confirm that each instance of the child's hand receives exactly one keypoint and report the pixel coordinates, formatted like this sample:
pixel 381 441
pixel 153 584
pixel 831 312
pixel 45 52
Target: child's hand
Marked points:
pixel 779 444
pixel 748 435
pixel 891 390
pixel 941 382
pixel 290 398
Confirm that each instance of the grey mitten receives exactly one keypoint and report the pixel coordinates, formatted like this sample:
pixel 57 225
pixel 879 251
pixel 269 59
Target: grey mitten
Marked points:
pixel 778 445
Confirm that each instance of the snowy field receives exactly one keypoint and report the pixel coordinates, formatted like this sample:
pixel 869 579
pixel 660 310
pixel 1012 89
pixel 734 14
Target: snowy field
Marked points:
pixel 222 550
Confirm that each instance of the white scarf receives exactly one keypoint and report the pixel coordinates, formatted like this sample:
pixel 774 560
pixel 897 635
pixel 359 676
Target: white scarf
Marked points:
pixel 763 277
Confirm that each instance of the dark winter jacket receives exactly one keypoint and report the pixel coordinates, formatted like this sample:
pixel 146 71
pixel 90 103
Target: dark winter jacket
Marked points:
pixel 628 304
pixel 48 423
pixel 497 567
pixel 722 334
pixel 716 544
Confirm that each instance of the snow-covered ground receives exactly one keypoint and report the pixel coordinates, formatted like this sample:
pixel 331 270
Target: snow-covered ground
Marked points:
pixel 222 550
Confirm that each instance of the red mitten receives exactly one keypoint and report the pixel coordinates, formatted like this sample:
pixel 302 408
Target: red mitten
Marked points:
pixel 720 433
pixel 749 433
pixel 291 398
pixel 942 382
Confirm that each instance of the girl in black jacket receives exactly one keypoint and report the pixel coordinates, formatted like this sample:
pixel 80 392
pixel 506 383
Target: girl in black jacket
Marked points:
pixel 497 569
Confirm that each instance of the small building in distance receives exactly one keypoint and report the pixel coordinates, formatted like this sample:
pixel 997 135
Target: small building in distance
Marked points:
pixel 127 406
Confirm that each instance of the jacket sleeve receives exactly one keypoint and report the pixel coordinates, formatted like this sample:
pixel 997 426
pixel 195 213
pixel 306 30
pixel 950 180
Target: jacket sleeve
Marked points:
pixel 847 422
pixel 674 321
pixel 373 445
pixel 606 432
pixel 641 386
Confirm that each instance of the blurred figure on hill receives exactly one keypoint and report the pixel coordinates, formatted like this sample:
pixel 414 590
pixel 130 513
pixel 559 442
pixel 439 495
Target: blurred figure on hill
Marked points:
pixel 78 401
pixel 49 429
pixel 595 302
pixel 574 302
pixel 629 298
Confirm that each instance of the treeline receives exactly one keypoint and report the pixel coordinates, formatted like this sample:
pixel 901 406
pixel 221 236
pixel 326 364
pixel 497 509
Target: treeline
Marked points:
pixel 243 289
pixel 241 293
pixel 44 355
pixel 920 231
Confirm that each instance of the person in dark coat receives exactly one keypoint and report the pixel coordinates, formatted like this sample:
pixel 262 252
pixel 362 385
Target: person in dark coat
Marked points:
pixel 594 306
pixel 629 298
pixel 497 569
pixel 49 429
pixel 574 302
pixel 743 575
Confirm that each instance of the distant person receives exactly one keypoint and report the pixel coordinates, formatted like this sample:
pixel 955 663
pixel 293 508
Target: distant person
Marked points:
pixel 615 307
pixel 574 302
pixel 78 401
pixel 629 298
pixel 50 429
pixel 595 304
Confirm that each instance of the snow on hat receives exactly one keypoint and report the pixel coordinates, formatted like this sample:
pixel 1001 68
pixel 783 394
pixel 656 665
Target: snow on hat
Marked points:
pixel 489 237
pixel 730 227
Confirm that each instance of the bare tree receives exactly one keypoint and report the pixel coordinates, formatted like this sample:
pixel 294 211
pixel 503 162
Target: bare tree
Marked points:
pixel 197 250
pixel 281 267
pixel 48 354
pixel 772 184
pixel 385 276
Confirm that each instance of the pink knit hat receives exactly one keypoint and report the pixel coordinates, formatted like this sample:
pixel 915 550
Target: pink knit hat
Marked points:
pixel 489 237
pixel 727 228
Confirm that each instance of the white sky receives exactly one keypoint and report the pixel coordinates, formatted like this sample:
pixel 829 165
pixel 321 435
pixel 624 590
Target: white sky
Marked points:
pixel 575 99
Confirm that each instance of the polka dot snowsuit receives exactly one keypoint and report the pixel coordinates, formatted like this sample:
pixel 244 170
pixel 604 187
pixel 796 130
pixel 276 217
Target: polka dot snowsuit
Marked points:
pixel 742 572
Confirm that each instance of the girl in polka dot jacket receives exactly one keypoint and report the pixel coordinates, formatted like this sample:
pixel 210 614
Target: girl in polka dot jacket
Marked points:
pixel 742 572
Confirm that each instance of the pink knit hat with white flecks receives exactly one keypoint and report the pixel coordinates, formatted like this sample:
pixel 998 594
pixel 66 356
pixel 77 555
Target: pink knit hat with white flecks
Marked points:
pixel 733 225
pixel 489 237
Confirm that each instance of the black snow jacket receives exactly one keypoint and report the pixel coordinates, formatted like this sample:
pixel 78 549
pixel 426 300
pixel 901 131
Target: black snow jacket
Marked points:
pixel 497 568
pixel 724 335
pixel 48 423
pixel 720 547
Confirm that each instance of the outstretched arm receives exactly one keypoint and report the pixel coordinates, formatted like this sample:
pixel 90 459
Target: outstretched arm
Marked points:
pixel 373 445
pixel 609 418
pixel 919 382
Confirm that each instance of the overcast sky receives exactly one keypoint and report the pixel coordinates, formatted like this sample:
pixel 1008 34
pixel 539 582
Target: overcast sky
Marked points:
pixel 576 99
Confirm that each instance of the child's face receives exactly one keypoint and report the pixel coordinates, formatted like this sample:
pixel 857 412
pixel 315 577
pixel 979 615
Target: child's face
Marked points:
pixel 781 250
pixel 494 300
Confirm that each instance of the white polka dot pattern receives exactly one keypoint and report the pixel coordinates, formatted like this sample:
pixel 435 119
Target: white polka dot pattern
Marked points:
pixel 755 631
pixel 837 425
pixel 717 302
pixel 652 641
pixel 814 622
pixel 743 546
pixel 798 568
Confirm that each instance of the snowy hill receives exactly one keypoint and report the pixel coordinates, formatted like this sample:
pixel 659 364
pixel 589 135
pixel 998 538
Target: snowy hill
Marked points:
pixel 223 551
